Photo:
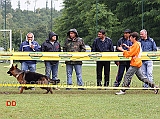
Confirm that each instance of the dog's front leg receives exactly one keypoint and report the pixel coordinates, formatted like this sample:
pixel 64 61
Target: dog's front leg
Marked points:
pixel 51 90
pixel 21 90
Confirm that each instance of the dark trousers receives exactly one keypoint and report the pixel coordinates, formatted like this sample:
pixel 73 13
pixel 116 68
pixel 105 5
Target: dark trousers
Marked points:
pixel 120 73
pixel 99 68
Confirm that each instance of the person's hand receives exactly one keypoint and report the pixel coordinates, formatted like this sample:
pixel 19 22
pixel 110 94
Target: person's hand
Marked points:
pixel 120 48
pixel 125 45
pixel 32 46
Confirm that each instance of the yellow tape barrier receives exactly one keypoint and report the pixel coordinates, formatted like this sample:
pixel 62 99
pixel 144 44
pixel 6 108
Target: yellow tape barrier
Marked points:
pixel 75 56
pixel 71 86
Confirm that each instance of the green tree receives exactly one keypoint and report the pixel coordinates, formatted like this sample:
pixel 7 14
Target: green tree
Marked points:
pixel 105 18
pixel 82 16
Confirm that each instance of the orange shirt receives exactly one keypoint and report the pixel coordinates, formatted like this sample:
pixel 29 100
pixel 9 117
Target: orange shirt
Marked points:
pixel 134 52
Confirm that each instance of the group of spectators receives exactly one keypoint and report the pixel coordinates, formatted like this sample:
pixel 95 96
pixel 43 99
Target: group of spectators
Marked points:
pixel 129 44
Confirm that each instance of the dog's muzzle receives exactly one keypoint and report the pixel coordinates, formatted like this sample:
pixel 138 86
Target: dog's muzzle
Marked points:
pixel 9 73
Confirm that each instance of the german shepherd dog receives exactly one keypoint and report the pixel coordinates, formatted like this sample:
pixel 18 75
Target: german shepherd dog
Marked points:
pixel 26 77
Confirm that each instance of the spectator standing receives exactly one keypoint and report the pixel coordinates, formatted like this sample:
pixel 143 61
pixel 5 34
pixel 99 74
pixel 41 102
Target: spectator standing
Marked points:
pixel 51 45
pixel 122 65
pixel 102 44
pixel 29 45
pixel 148 45
pixel 74 43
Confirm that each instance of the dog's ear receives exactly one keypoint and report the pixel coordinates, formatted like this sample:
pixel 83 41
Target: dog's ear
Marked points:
pixel 16 66
pixel 12 66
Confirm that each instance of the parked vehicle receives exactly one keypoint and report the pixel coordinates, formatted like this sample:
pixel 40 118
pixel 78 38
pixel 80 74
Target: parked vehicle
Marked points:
pixel 88 48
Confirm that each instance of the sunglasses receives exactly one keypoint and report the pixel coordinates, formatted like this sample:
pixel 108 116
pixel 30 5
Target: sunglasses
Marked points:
pixel 29 37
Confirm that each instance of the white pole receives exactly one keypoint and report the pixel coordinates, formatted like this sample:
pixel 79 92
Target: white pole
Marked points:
pixel 10 40
pixel 10 36
pixel 11 61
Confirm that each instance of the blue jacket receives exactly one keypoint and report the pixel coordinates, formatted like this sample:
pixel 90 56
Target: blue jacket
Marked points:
pixel 148 45
pixel 48 47
pixel 121 41
pixel 102 46
pixel 25 47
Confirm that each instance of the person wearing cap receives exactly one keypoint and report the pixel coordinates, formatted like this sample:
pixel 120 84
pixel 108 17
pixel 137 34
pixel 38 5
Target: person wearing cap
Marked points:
pixel 148 45
pixel 74 43
pixel 51 44
pixel 122 65
pixel 102 44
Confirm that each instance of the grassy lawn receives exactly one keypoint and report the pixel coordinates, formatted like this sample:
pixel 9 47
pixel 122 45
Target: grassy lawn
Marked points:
pixel 77 104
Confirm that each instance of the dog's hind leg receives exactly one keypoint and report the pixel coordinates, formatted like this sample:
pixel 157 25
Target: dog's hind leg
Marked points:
pixel 21 90
pixel 50 89
pixel 46 89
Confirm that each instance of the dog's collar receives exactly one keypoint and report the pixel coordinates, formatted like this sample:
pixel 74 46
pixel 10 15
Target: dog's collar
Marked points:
pixel 18 74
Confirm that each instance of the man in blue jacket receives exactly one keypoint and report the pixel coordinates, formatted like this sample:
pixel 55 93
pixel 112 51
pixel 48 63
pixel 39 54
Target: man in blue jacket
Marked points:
pixel 125 43
pixel 29 45
pixel 102 44
pixel 148 45
pixel 51 45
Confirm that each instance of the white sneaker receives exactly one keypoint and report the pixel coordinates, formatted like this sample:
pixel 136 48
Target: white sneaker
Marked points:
pixel 120 93
pixel 156 89
pixel 33 88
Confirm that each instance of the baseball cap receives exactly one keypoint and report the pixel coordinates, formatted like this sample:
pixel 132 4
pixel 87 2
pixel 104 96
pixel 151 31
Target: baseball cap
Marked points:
pixel 127 31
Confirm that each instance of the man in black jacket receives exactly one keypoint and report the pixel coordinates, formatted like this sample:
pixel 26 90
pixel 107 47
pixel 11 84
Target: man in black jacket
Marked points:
pixel 51 45
pixel 125 43
pixel 102 44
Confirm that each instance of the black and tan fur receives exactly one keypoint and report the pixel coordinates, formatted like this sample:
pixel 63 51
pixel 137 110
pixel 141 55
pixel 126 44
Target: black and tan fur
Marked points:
pixel 26 77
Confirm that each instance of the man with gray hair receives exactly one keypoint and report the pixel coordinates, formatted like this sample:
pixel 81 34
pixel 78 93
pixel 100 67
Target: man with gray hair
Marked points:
pixel 147 44
pixel 29 45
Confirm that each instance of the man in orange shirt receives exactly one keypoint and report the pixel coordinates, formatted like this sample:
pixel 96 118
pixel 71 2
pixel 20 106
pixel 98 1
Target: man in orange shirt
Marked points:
pixel 135 64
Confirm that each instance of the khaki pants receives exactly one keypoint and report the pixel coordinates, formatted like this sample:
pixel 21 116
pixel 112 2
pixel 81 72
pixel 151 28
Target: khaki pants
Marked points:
pixel 135 70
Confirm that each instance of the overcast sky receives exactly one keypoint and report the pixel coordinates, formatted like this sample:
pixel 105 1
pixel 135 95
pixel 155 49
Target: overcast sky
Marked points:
pixel 39 4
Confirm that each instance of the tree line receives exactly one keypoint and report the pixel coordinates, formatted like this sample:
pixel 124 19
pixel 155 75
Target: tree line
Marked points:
pixel 87 16
pixel 23 21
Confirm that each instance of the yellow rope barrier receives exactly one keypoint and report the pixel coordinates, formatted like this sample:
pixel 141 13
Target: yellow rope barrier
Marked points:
pixel 75 56
pixel 72 86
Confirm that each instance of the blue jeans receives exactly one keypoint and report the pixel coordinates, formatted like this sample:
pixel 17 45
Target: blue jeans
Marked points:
pixel 147 69
pixel 78 70
pixel 28 67
pixel 51 67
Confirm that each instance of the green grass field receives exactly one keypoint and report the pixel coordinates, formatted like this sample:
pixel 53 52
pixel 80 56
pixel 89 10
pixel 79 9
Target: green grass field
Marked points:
pixel 78 104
